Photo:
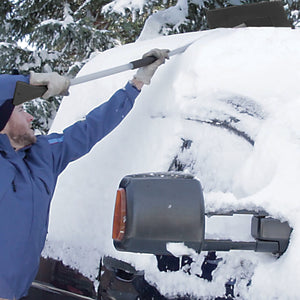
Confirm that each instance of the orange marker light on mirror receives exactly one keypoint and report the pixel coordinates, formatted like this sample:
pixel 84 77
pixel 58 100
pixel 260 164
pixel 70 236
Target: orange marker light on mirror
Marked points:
pixel 119 215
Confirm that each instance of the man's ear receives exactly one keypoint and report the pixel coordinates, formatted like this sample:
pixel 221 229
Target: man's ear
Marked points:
pixel 5 131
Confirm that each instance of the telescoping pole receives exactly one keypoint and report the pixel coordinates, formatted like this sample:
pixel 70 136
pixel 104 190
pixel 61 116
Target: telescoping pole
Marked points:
pixel 129 66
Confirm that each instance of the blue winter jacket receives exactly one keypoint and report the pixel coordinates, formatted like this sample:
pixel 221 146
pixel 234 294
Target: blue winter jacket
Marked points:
pixel 28 178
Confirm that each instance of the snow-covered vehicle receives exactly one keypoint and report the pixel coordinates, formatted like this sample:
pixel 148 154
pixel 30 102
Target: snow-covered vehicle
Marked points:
pixel 224 111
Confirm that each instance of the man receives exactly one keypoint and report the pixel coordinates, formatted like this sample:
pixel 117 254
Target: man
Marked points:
pixel 30 165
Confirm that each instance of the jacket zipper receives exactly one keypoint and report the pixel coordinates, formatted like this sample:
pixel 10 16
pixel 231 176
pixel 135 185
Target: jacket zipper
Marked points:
pixel 14 186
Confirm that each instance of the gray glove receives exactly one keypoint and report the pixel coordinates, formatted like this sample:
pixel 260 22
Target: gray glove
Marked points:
pixel 56 84
pixel 144 74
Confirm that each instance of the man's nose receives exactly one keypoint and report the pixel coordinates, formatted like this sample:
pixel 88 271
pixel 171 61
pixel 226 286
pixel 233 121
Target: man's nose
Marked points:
pixel 29 117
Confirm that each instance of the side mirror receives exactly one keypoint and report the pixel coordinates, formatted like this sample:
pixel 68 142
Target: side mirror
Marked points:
pixel 155 209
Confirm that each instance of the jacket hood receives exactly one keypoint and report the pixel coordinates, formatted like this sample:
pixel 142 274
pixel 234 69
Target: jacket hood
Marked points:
pixel 7 90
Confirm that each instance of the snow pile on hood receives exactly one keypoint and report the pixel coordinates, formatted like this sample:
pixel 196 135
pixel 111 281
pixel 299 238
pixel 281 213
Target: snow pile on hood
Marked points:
pixel 258 67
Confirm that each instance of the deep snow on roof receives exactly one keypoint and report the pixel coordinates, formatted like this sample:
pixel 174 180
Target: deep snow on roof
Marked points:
pixel 248 77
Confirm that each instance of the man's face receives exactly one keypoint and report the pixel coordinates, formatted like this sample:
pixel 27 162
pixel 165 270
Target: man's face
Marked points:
pixel 18 128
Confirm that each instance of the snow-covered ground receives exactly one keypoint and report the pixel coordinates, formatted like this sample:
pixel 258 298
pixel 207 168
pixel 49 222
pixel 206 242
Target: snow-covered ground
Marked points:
pixel 247 78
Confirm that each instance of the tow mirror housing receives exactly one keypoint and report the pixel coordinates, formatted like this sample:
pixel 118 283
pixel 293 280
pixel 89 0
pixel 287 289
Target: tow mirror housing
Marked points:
pixel 161 208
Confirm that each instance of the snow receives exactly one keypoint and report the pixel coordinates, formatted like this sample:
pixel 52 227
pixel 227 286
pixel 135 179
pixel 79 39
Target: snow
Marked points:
pixel 220 74
pixel 120 6
pixel 154 25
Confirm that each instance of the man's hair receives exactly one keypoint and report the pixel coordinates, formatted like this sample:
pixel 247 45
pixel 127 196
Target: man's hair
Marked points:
pixel 6 110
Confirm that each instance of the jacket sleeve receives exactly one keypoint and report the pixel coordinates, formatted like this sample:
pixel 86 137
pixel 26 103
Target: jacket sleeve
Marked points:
pixel 79 138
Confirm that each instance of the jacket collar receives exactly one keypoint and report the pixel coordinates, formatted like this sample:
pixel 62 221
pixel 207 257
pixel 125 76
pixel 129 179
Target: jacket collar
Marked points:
pixel 6 147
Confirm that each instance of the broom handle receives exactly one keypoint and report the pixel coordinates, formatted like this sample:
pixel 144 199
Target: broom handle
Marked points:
pixel 129 66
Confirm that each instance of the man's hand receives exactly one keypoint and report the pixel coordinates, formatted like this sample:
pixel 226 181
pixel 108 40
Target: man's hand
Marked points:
pixel 145 74
pixel 56 84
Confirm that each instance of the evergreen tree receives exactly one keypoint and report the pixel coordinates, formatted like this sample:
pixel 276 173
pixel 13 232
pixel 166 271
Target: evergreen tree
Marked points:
pixel 126 25
pixel 61 35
